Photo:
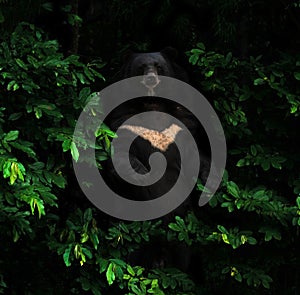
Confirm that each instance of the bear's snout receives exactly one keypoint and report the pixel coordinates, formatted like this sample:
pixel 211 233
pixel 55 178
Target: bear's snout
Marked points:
pixel 151 80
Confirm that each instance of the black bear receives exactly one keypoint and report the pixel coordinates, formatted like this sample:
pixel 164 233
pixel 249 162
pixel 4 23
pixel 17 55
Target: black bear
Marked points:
pixel 153 136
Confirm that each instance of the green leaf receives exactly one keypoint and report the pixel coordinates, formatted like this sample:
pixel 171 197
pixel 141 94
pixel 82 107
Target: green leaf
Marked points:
pixel 139 271
pixel 293 109
pixel 265 164
pixel 110 275
pixel 228 57
pixel 33 61
pixel 12 135
pixel 213 202
pixel 130 270
pixel 66 255
pixel 251 240
pixel 11 84
pixel 243 239
pixel 59 180
pixel 94 239
pixel 233 189
pixel 209 74
pixel 226 204
pixel 201 45
pixel 97 74
pixel 297 75
pixel 14 169
pixel 253 150
pixel 103 265
pixel 87 252
pixel 24 147
pixel 85 284
pixel 66 144
pixel 37 166
pixel 88 215
pixel 84 93
pixel 15 116
pixel 193 59
pixel 123 227
pixel 196 51
pixel 222 229
pixel 38 35
pixel 21 64
pixel 84 237
pixel 225 239
pixel 49 198
pixel 180 222
pixel 16 235
pixel 275 164
pixel 40 206
pixel 240 163
pixel 21 171
pixel 174 227
pixel 259 194
pixel 16 87
pixel 238 277
pixel 74 151
pixel 258 81
pixel 266 284
pixel 38 112
pixel 239 203
pixel 89 74
pixel 81 77
pixel 6 169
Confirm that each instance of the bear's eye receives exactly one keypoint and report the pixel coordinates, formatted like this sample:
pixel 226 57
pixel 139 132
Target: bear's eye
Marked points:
pixel 141 70
pixel 159 69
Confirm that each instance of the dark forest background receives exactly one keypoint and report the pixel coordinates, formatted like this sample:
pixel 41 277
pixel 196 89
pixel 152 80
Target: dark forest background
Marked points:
pixel 242 55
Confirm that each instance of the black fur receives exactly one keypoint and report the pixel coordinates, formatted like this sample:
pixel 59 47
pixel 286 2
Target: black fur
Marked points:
pixel 160 63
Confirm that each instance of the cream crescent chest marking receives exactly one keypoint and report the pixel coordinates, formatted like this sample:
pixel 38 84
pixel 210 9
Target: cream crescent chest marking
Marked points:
pixel 160 140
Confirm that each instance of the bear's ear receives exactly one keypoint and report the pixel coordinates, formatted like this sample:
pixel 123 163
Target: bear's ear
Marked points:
pixel 170 52
pixel 126 55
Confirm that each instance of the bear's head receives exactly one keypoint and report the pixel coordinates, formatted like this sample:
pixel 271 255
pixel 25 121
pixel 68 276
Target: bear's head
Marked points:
pixel 151 65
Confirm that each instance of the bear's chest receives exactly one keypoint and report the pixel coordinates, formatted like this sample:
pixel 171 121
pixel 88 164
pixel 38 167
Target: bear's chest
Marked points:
pixel 149 141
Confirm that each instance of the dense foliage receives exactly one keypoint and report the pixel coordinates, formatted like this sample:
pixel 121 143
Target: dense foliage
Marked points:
pixel 242 56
